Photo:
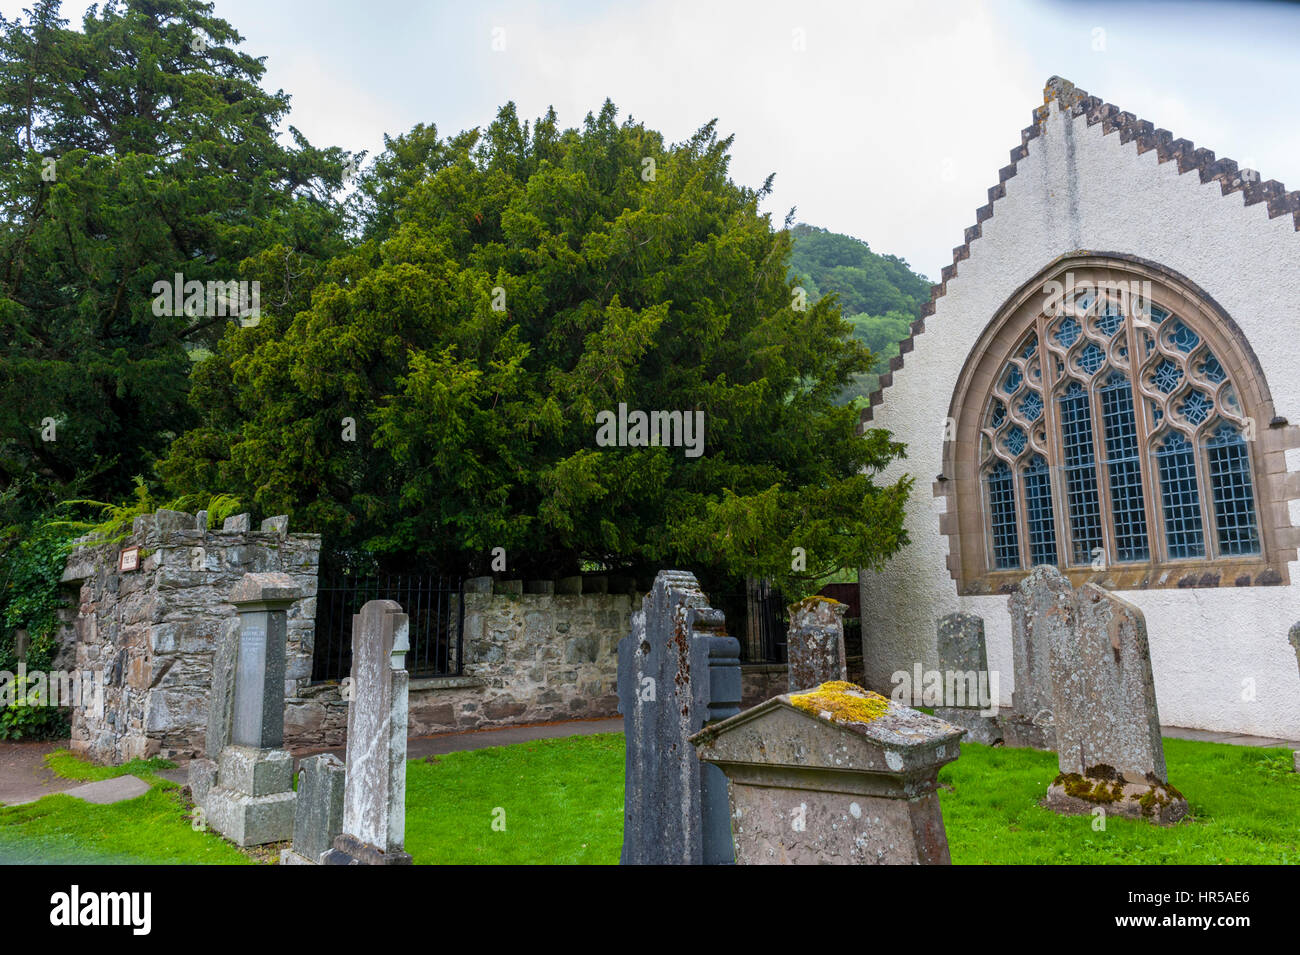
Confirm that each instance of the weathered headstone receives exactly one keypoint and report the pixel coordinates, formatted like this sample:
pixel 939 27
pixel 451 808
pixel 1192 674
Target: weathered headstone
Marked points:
pixel 677 671
pixel 319 816
pixel 1032 604
pixel 815 643
pixel 252 800
pixel 1108 742
pixel 374 802
pixel 835 775
pixel 969 689
pixel 203 770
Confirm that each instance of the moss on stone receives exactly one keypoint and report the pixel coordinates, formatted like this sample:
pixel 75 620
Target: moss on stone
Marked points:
pixel 842 702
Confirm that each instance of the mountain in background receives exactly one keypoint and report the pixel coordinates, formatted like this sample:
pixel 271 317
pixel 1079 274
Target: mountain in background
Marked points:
pixel 879 295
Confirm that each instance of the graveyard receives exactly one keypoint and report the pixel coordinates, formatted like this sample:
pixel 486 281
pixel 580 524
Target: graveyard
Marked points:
pixel 542 488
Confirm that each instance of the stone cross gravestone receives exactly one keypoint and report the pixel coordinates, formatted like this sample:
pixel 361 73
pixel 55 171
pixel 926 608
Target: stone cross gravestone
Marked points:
pixel 1035 601
pixel 374 802
pixel 815 643
pixel 252 800
pixel 1108 742
pixel 836 775
pixel 677 671
pixel 319 816
pixel 969 690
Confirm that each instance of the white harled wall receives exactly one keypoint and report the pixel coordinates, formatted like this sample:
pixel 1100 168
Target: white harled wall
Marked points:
pixel 1078 190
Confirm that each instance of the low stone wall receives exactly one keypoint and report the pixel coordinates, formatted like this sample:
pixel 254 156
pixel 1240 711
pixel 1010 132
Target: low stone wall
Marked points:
pixel 529 658
pixel 151 631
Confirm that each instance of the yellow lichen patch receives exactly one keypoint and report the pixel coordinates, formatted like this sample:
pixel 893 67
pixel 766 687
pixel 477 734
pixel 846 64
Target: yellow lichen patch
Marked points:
pixel 815 599
pixel 841 702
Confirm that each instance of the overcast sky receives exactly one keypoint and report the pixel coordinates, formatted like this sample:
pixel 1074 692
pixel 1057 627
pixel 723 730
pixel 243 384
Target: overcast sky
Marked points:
pixel 888 121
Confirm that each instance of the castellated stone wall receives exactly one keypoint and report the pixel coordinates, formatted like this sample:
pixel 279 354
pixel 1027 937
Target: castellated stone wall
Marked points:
pixel 152 630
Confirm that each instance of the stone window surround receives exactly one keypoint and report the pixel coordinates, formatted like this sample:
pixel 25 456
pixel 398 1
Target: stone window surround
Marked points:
pixel 965 522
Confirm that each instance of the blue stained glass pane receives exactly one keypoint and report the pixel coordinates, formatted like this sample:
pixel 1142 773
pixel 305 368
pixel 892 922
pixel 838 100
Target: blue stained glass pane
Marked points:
pixel 1230 483
pixel 1212 370
pixel 1068 332
pixel 1110 319
pixel 1030 347
pixel 1156 412
pixel 999 415
pixel 1011 380
pixel 1184 338
pixel 1196 408
pixel 1082 503
pixel 1128 511
pixel 1180 498
pixel 1002 511
pixel 1038 513
pixel 1091 358
pixel 1158 314
pixel 1168 375
pixel 1015 440
pixel 1031 407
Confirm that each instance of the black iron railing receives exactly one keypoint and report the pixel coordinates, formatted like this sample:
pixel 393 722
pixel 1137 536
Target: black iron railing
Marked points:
pixel 757 617
pixel 434 605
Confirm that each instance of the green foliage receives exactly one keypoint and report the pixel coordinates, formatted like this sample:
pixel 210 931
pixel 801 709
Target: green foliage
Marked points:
pixel 116 520
pixel 30 570
pixel 880 294
pixel 25 712
pixel 510 284
pixel 129 153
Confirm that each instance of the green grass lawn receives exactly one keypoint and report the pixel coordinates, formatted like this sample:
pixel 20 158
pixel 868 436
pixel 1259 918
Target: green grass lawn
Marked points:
pixel 561 801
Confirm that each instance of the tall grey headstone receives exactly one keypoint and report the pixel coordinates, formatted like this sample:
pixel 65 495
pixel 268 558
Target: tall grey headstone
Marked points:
pixel 815 643
pixel 221 697
pixel 969 690
pixel 252 800
pixel 1108 744
pixel 374 802
pixel 1032 605
pixel 319 816
pixel 678 671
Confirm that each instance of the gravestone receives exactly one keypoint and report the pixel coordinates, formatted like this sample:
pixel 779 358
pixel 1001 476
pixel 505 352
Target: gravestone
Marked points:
pixel 1108 744
pixel 677 671
pixel 319 816
pixel 1033 605
pixel 969 690
pixel 252 800
pixel 835 775
pixel 374 799
pixel 203 771
pixel 815 643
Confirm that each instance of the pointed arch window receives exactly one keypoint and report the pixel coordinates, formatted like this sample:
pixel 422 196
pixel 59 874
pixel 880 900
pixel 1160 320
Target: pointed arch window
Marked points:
pixel 1114 434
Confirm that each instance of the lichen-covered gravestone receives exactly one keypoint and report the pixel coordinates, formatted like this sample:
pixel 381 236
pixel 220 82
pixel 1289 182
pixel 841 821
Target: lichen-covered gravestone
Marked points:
pixel 318 819
pixel 1033 605
pixel 677 671
pixel 835 775
pixel 252 800
pixel 1108 742
pixel 374 802
pixel 815 643
pixel 967 685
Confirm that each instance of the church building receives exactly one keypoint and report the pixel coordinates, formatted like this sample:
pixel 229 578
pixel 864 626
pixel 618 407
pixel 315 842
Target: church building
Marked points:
pixel 1107 380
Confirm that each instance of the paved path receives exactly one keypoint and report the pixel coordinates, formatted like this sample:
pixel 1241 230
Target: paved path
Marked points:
pixel 418 747
pixel 23 776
